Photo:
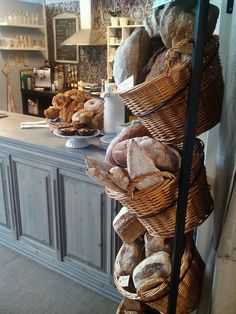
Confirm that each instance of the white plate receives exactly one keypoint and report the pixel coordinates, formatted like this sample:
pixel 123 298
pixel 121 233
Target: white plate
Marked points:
pixel 76 141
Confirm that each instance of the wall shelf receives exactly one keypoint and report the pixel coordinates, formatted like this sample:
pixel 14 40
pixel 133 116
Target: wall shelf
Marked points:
pixel 22 48
pixel 21 25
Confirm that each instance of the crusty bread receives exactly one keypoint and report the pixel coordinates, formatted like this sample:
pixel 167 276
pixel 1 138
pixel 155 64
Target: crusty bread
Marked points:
pixel 129 256
pixel 155 266
pixel 131 131
pixel 165 157
pixel 120 177
pixel 127 226
pixel 138 164
pixel 156 244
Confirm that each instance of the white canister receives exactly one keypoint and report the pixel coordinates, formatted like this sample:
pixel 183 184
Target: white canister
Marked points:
pixel 114 114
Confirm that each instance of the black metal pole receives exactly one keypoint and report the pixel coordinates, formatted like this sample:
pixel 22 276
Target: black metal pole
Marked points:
pixel 200 28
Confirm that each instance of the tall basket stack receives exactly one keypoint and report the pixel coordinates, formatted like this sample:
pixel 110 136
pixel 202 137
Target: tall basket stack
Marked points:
pixel 161 105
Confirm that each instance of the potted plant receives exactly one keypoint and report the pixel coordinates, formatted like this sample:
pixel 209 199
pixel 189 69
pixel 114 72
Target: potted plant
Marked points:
pixel 115 14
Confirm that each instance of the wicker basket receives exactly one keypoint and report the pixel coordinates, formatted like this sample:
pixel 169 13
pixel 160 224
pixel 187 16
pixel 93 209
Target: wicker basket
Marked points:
pixel 155 206
pixel 155 291
pixel 161 102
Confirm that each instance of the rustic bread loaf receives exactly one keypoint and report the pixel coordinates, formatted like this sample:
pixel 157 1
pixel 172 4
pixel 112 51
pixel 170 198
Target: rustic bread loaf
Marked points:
pixel 177 23
pixel 136 130
pixel 127 226
pixel 129 256
pixel 138 164
pixel 155 244
pixel 155 266
pixel 120 177
pixel 165 157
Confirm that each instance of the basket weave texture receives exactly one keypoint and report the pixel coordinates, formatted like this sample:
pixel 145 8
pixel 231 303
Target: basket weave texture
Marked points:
pixel 155 291
pixel 161 103
pixel 155 206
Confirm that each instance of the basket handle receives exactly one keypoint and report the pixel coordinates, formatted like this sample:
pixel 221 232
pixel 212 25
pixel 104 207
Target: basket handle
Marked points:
pixel 170 53
pixel 153 289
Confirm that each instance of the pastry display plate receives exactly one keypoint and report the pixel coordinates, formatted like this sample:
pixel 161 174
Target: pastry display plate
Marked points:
pixel 76 141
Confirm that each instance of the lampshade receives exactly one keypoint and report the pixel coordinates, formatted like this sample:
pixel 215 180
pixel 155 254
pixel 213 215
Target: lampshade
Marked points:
pixel 83 37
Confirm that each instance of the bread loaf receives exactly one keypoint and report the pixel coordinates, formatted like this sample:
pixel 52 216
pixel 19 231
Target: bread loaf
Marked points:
pixel 165 157
pixel 138 164
pixel 102 178
pixel 155 244
pixel 177 23
pixel 127 226
pixel 129 132
pixel 120 177
pixel 155 266
pixel 129 256
pixel 98 164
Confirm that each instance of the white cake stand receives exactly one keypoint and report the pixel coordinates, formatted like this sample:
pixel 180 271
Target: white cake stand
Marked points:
pixel 76 141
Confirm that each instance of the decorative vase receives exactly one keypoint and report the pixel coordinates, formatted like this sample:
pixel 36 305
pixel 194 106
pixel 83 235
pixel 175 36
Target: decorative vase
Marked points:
pixel 124 21
pixel 114 20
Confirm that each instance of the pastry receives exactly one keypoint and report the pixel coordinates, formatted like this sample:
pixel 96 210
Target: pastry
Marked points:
pixel 51 113
pixel 67 131
pixel 93 104
pixel 86 131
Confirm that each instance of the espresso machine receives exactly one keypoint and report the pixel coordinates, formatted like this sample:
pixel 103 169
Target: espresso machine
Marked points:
pixel 42 77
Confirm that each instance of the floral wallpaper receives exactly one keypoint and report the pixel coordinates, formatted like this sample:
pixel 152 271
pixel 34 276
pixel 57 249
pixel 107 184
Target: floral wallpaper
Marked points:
pixel 93 59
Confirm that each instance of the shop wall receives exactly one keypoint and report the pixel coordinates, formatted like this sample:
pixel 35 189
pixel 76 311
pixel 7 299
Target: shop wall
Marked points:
pixel 17 60
pixel 92 60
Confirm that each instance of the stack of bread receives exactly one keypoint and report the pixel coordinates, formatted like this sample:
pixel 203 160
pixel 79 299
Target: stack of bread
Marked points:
pixel 78 113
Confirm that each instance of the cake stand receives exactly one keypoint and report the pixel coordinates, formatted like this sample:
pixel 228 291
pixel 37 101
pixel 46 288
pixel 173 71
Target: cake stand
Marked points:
pixel 76 141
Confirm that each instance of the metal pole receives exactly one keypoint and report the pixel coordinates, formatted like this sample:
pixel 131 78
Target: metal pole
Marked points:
pixel 200 28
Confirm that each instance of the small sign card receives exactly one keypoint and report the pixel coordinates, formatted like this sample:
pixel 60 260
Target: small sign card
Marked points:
pixel 124 281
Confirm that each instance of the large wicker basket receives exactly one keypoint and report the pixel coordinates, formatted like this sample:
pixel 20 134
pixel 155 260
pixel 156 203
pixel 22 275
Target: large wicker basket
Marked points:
pixel 161 103
pixel 155 206
pixel 155 291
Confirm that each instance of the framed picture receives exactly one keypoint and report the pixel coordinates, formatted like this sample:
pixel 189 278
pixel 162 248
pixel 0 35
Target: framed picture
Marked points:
pixel 65 25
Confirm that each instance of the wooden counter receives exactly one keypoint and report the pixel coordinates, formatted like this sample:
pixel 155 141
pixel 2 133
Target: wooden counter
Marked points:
pixel 50 210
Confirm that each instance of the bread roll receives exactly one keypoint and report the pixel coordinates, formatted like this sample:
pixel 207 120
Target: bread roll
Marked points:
pixel 138 164
pixel 129 256
pixel 120 177
pixel 165 157
pixel 129 132
pixel 155 244
pixel 155 266
pixel 127 226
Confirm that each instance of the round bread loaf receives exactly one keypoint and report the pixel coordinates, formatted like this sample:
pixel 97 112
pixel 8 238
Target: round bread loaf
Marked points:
pixel 155 266
pixel 155 244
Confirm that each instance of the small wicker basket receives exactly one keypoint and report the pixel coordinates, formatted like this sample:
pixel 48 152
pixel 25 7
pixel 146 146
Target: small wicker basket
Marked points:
pixel 161 103
pixel 155 291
